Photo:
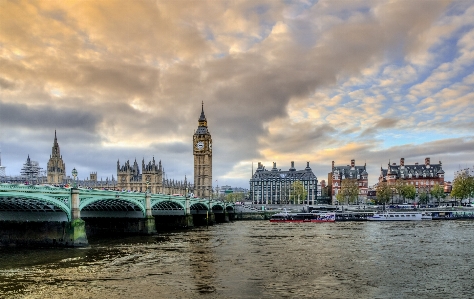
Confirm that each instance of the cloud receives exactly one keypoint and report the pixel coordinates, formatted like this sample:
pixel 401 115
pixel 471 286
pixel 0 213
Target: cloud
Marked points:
pixel 280 81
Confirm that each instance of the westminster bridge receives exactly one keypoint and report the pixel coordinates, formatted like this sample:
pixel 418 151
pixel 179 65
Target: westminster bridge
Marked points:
pixel 48 215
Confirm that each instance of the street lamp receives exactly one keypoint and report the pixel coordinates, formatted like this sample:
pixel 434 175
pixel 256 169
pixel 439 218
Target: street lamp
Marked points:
pixel 74 175
pixel 147 186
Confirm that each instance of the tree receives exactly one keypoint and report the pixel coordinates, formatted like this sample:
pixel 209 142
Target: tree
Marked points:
pixel 409 191
pixel 463 186
pixel 399 186
pixel 423 196
pixel 438 192
pixel 349 191
pixel 234 197
pixel 298 192
pixel 383 192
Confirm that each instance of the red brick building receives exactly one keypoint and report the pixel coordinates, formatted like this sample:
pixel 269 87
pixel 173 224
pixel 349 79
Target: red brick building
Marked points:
pixel 339 173
pixel 423 176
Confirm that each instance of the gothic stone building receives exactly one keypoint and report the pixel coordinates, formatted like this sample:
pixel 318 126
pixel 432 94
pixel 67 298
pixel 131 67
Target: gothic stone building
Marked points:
pixel 202 151
pixel 274 186
pixel 130 178
pixel 340 173
pixel 422 176
pixel 56 169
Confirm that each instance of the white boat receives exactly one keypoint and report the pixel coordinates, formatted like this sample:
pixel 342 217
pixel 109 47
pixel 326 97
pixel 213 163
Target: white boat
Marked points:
pixel 426 216
pixel 397 216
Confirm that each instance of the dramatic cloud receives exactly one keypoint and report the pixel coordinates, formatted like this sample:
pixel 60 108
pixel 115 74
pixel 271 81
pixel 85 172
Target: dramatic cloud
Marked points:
pixel 297 81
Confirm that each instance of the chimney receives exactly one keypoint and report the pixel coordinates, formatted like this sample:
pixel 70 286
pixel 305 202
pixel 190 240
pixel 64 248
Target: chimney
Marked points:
pixel 353 163
pixel 427 161
pixel 274 165
pixel 402 162
pixel 292 166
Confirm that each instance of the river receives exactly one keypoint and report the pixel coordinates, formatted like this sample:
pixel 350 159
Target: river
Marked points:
pixel 256 259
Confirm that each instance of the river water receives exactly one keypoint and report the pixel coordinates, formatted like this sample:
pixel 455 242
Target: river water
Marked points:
pixel 256 259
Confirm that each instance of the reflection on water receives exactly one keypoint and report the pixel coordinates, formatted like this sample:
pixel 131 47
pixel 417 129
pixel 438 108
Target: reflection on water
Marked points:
pixel 256 259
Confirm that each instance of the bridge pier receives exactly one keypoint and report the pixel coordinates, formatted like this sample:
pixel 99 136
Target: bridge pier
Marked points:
pixel 188 218
pixel 148 225
pixel 76 229
pixel 76 234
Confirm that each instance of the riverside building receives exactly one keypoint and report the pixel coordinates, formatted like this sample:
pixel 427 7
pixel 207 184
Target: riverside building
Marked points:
pixel 352 172
pixel 275 186
pixel 423 177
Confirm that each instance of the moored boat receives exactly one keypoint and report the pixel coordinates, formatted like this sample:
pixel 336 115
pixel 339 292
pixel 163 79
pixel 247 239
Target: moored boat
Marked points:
pixel 426 216
pixel 397 216
pixel 286 217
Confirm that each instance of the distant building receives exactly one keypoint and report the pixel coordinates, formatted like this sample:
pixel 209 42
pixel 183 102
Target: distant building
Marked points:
pixel 341 173
pixel 56 169
pixel 275 186
pixel 226 189
pixel 423 176
pixel 2 168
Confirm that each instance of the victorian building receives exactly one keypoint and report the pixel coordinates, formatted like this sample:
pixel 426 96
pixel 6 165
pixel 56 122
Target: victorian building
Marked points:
pixel 202 151
pixel 56 169
pixel 353 172
pixel 423 176
pixel 276 186
pixel 150 178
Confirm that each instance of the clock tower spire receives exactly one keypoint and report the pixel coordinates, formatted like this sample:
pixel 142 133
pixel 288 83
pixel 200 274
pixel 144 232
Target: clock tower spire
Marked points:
pixel 202 151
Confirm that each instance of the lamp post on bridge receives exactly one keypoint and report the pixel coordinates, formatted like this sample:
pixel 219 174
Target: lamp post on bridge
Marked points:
pixel 147 183
pixel 74 175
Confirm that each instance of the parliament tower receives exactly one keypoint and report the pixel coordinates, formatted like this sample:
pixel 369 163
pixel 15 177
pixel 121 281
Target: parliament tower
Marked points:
pixel 56 170
pixel 202 150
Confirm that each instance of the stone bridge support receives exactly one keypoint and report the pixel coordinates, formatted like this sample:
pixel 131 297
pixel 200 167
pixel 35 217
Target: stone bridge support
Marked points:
pixel 188 218
pixel 75 232
pixel 147 225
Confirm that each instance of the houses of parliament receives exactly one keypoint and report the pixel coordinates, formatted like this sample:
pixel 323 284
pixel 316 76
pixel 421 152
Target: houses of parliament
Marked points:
pixel 130 176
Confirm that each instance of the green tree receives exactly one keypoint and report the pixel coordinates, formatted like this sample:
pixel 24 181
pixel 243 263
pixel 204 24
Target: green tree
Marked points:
pixel 383 192
pixel 349 191
pixel 409 191
pixel 423 195
pixel 399 186
pixel 298 193
pixel 463 187
pixel 234 197
pixel 438 192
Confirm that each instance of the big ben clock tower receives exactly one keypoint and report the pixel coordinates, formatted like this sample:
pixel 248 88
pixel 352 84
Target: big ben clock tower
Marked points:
pixel 202 150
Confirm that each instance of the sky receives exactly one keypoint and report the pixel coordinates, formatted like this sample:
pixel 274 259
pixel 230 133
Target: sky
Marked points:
pixel 281 81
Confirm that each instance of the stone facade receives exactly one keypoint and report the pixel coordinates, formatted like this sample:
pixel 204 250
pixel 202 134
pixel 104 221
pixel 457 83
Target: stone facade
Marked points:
pixel 274 186
pixel 130 178
pixel 423 176
pixel 56 169
pixel 340 173
pixel 202 151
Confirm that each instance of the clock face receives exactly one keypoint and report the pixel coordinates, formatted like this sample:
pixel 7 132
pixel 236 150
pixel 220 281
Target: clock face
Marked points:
pixel 200 145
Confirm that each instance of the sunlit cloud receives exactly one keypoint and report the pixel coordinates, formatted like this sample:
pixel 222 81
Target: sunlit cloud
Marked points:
pixel 293 81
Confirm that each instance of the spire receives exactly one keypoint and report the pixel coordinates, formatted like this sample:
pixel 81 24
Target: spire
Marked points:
pixel 203 117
